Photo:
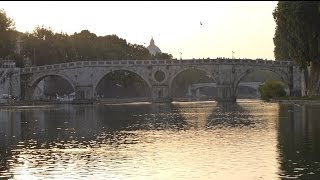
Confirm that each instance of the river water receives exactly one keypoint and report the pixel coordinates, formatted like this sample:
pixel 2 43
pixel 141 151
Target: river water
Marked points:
pixel 186 140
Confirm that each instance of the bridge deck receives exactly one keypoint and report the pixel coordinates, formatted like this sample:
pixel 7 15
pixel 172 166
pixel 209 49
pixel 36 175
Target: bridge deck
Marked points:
pixel 78 64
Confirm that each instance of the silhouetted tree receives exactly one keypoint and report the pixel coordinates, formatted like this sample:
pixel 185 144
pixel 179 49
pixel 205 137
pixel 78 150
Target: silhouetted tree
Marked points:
pixel 7 26
pixel 298 38
pixel 43 46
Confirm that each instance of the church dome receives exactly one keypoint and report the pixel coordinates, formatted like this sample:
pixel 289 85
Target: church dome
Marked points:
pixel 153 49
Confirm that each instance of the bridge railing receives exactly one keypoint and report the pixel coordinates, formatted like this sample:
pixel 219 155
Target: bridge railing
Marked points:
pixel 78 64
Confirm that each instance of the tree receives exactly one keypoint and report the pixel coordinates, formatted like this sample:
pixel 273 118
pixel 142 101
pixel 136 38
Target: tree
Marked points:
pixel 86 45
pixel 297 37
pixel 160 56
pixel 138 52
pixel 7 25
pixel 42 46
pixel 280 48
pixel 271 88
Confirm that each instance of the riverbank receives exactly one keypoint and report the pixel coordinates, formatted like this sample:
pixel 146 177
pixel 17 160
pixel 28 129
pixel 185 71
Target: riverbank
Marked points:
pixel 297 100
pixel 287 100
pixel 35 103
pixel 23 103
pixel 75 102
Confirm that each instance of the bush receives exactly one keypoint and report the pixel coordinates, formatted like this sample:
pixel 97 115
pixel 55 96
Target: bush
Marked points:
pixel 270 89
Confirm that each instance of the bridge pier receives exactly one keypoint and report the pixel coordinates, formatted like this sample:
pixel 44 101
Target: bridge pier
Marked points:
pixel 26 90
pixel 26 94
pixel 225 94
pixel 296 82
pixel 198 93
pixel 160 93
pixel 84 92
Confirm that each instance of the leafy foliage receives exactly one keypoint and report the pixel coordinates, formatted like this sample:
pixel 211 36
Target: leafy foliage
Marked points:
pixel 297 37
pixel 271 88
pixel 297 32
pixel 161 56
pixel 43 46
pixel 6 33
pixel 47 47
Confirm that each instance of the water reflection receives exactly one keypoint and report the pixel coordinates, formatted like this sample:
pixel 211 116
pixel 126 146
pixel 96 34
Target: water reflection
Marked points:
pixel 141 117
pixel 199 140
pixel 299 141
pixel 226 115
pixel 87 122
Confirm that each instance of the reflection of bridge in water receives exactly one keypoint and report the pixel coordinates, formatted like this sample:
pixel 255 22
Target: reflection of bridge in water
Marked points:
pixel 65 121
pixel 290 130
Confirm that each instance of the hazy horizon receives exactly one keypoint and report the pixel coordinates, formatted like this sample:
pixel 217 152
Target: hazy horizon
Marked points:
pixel 196 29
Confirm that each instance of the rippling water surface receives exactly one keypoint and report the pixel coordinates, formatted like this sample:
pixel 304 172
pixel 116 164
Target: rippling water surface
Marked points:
pixel 198 140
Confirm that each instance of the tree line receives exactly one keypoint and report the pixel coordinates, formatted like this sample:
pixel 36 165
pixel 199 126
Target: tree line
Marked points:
pixel 297 38
pixel 43 46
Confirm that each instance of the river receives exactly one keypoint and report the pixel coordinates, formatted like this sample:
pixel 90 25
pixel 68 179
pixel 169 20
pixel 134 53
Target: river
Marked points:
pixel 249 139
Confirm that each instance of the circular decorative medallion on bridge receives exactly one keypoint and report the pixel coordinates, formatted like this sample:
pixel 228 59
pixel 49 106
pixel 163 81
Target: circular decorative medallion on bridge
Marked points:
pixel 159 76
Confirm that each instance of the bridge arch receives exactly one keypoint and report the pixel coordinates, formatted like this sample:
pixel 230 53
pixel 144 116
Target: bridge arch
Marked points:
pixel 105 74
pixel 209 90
pixel 208 73
pixel 247 91
pixel 100 77
pixel 34 80
pixel 181 91
pixel 282 74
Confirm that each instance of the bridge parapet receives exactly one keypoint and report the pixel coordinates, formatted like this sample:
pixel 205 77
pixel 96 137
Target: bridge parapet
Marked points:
pixel 79 64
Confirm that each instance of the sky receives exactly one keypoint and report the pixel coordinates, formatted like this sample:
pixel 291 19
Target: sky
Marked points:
pixel 196 29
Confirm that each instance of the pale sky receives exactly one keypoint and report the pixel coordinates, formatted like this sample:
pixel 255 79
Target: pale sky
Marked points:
pixel 247 28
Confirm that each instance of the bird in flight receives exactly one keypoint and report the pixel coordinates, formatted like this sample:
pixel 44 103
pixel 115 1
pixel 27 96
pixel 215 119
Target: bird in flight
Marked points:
pixel 200 23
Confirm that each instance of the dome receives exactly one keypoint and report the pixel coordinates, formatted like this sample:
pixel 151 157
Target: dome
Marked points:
pixel 153 49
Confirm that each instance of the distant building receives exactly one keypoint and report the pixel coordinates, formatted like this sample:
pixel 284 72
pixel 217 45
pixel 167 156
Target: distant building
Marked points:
pixel 153 49
pixel 7 63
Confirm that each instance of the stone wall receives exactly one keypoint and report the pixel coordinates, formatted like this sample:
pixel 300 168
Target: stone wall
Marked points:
pixel 10 81
pixel 298 82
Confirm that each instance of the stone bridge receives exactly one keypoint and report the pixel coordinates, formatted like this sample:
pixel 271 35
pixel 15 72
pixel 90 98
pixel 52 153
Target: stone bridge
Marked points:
pixel 84 76
pixel 193 87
